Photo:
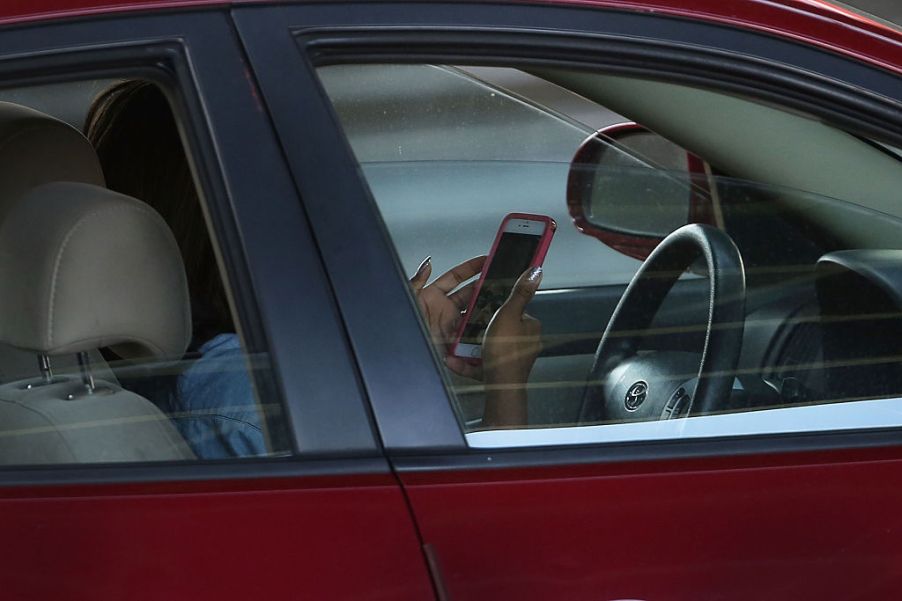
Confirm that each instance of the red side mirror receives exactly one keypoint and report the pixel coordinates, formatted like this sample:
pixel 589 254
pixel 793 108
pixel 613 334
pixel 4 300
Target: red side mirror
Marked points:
pixel 629 188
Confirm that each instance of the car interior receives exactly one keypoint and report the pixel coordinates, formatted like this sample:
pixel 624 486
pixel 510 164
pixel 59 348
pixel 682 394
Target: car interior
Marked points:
pixel 780 289
pixel 811 210
pixel 805 203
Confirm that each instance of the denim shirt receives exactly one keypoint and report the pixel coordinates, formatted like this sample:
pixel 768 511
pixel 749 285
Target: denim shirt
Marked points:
pixel 214 407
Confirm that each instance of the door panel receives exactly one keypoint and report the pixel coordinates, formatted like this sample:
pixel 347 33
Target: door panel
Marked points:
pixel 288 527
pixel 678 531
pixel 755 519
pixel 297 538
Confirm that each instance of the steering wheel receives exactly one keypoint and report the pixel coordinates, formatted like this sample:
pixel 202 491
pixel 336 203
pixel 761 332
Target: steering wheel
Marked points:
pixel 627 386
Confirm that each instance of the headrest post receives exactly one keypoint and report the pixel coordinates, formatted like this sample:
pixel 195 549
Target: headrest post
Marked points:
pixel 87 378
pixel 44 366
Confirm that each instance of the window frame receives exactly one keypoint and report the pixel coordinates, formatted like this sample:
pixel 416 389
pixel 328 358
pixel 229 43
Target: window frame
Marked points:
pixel 414 410
pixel 260 229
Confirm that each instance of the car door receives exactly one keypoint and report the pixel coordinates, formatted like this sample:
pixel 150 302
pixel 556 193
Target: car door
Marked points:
pixel 743 511
pixel 320 514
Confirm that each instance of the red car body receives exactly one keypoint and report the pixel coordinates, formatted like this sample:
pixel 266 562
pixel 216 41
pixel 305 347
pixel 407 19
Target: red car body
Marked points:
pixel 813 21
pixel 776 523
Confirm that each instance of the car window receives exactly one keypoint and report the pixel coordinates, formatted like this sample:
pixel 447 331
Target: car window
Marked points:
pixel 119 343
pixel 774 310
pixel 429 136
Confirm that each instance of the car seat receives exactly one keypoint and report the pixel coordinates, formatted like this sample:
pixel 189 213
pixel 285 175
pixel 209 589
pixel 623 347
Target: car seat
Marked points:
pixel 81 268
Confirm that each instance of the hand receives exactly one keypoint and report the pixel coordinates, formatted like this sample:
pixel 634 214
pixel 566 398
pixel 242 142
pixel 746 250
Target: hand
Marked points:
pixel 510 347
pixel 441 306
pixel 513 339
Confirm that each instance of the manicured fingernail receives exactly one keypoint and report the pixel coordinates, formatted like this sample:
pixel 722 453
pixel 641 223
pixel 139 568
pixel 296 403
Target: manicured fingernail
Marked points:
pixel 535 274
pixel 424 264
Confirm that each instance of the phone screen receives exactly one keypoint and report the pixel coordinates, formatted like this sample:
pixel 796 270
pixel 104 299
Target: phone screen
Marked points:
pixel 512 257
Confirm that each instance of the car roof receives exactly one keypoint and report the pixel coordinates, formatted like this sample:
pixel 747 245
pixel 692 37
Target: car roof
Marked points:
pixel 816 22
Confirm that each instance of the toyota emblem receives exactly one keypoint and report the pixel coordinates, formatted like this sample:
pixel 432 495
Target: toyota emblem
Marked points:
pixel 635 396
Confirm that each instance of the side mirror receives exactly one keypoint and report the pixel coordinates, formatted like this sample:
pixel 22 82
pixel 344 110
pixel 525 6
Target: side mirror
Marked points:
pixel 629 187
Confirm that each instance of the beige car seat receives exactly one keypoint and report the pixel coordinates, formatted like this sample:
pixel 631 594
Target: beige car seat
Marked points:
pixel 37 149
pixel 82 268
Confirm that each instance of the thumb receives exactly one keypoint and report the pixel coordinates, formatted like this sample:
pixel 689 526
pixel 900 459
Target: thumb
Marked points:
pixel 524 290
pixel 420 278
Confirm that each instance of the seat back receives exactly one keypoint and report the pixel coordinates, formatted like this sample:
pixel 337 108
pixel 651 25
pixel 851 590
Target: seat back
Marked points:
pixel 83 268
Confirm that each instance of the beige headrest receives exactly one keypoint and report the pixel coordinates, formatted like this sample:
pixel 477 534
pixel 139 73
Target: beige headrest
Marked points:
pixel 82 267
pixel 37 149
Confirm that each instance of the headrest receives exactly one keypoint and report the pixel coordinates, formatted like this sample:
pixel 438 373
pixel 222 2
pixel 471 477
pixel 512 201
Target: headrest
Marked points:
pixel 82 267
pixel 37 149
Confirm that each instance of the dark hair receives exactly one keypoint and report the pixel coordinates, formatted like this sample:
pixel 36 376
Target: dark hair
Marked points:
pixel 134 131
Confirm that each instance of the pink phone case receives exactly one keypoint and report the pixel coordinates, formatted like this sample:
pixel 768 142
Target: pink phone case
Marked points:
pixel 537 260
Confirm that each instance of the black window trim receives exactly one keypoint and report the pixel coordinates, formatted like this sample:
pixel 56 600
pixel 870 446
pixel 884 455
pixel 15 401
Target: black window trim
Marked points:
pixel 153 46
pixel 675 62
pixel 421 432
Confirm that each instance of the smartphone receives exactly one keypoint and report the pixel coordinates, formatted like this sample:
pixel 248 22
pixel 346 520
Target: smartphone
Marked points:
pixel 521 243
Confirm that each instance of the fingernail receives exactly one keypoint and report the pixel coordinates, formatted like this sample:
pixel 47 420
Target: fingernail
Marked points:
pixel 424 264
pixel 535 274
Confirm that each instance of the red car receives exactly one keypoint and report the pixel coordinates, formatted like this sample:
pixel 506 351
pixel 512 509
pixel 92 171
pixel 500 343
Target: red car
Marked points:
pixel 716 412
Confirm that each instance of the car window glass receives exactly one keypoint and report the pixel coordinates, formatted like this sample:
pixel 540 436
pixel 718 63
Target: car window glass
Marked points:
pixel 136 356
pixel 431 136
pixel 774 346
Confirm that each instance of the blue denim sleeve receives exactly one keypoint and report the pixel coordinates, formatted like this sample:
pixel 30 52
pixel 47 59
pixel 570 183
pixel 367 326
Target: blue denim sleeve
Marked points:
pixel 215 409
